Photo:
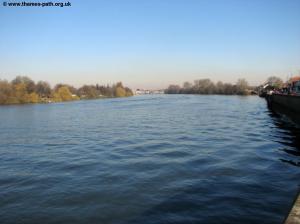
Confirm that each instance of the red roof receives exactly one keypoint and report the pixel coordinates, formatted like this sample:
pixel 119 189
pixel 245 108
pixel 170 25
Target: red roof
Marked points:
pixel 295 79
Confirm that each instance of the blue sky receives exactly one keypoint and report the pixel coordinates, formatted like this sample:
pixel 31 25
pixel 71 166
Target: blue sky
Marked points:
pixel 153 43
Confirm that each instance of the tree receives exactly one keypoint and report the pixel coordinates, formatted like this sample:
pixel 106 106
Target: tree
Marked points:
pixel 275 82
pixel 187 87
pixel 6 92
pixel 203 86
pixel 21 93
pixel 173 89
pixel 23 90
pixel 72 89
pixel 89 92
pixel 120 92
pixel 30 85
pixel 119 84
pixel 229 89
pixel 33 98
pixel 206 86
pixel 43 89
pixel 64 94
pixel 128 92
pixel 241 87
pixel 220 88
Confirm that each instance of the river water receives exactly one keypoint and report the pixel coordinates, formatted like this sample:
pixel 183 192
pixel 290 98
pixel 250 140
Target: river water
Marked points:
pixel 148 159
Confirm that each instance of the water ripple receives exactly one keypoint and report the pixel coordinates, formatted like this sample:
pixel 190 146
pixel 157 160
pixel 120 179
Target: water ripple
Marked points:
pixel 148 159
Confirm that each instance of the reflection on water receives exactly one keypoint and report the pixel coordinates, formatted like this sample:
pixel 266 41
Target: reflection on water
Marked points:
pixel 289 123
pixel 147 159
pixel 286 115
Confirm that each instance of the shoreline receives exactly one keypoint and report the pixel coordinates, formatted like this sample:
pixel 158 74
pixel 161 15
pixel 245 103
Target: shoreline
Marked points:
pixel 66 101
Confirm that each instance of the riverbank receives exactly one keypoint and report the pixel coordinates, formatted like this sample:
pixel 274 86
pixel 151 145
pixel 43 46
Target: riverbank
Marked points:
pixel 55 102
pixel 207 87
pixel 23 90
pixel 294 215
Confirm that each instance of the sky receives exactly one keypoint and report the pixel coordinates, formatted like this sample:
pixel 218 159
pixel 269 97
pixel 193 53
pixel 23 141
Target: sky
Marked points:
pixel 151 43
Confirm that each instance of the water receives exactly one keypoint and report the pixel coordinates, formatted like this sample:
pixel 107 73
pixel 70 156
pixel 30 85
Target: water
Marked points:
pixel 147 159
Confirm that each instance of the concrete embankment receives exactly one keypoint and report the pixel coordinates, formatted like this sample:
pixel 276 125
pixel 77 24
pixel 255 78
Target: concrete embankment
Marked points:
pixel 294 216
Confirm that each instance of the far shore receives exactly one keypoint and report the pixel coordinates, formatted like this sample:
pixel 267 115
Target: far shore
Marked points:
pixel 23 90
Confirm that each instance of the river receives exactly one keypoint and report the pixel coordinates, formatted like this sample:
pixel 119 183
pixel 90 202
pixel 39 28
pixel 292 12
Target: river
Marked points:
pixel 148 159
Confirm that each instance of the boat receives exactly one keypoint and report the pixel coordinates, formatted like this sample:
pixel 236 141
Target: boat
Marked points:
pixel 289 102
pixel 288 97
pixel 264 90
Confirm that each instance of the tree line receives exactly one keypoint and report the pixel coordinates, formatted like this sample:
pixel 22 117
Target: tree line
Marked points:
pixel 22 89
pixel 206 86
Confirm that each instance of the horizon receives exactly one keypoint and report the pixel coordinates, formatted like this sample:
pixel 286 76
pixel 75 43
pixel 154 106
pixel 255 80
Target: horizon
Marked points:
pixel 114 83
pixel 150 45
